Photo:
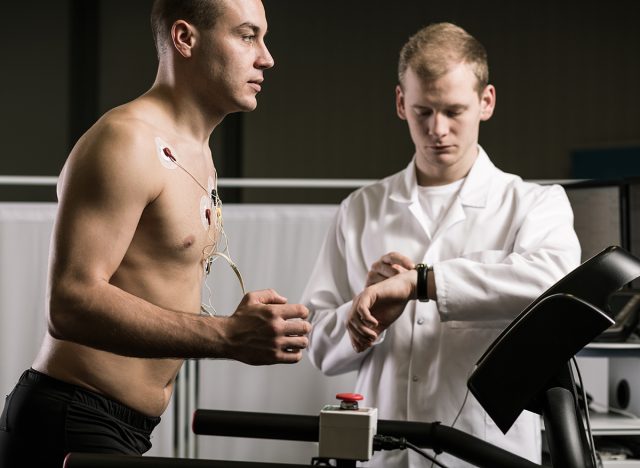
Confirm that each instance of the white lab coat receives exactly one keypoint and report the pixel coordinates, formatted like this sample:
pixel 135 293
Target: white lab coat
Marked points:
pixel 500 245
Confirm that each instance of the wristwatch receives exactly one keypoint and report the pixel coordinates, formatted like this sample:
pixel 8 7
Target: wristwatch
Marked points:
pixel 422 287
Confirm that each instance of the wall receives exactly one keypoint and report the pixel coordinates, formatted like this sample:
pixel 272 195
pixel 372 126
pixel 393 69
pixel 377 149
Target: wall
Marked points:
pixel 34 82
pixel 566 75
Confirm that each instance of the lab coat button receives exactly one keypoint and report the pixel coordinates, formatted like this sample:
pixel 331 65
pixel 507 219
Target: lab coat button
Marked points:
pixel 420 321
pixel 415 378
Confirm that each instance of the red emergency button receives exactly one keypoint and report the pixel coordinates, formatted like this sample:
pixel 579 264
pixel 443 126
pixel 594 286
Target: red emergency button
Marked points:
pixel 349 400
pixel 349 396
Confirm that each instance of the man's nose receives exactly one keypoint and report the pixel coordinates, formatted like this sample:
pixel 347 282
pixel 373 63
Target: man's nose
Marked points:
pixel 265 60
pixel 438 125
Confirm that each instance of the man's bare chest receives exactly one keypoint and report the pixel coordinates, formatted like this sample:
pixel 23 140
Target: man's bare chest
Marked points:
pixel 185 220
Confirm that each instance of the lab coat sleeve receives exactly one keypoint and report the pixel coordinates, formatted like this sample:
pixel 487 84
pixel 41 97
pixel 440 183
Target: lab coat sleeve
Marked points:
pixel 328 295
pixel 546 248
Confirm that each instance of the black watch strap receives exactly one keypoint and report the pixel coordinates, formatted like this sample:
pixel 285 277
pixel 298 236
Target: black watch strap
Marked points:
pixel 422 286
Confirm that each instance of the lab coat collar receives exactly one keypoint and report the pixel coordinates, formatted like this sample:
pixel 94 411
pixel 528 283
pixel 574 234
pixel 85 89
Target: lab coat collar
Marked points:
pixel 474 191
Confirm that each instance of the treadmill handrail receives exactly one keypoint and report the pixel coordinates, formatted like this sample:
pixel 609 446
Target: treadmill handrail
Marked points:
pixel 306 428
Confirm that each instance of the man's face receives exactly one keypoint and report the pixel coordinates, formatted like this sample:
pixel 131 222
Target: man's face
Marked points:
pixel 233 56
pixel 444 119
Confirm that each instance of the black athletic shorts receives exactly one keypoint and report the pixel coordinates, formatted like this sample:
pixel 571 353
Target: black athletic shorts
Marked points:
pixel 44 419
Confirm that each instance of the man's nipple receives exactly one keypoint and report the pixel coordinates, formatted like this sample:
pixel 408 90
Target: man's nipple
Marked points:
pixel 188 241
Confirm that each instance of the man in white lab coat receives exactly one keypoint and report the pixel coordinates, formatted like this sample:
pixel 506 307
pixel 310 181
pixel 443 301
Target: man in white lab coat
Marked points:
pixel 473 244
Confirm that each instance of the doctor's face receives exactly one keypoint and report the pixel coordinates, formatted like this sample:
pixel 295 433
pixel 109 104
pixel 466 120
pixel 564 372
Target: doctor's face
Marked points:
pixel 444 120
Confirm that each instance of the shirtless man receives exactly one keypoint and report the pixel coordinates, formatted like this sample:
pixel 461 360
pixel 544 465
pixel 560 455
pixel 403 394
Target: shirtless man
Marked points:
pixel 137 221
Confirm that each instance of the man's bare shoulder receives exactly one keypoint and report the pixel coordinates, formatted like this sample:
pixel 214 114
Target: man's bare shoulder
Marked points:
pixel 119 149
pixel 124 129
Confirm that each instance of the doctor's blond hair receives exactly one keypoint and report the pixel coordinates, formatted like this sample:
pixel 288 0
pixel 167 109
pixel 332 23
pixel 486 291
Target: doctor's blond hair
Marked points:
pixel 435 48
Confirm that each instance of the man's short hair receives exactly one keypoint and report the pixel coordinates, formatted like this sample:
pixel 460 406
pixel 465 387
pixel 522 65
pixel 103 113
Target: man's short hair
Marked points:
pixel 434 49
pixel 201 13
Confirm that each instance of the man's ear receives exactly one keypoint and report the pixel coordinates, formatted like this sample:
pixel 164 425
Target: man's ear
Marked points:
pixel 183 36
pixel 487 102
pixel 400 103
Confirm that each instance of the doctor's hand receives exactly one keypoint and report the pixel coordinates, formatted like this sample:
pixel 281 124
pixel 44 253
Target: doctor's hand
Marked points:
pixel 377 307
pixel 389 265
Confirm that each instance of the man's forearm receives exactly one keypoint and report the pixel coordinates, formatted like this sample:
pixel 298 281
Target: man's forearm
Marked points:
pixel 105 317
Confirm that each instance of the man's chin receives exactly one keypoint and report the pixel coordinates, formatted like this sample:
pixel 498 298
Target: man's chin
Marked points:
pixel 248 105
pixel 443 155
pixel 244 109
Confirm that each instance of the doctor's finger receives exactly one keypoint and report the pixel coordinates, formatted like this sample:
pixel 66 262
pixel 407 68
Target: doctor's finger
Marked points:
pixel 360 308
pixel 395 258
pixel 357 341
pixel 379 272
pixel 373 278
pixel 362 316
pixel 360 347
pixel 383 269
pixel 356 345
pixel 386 270
pixel 361 332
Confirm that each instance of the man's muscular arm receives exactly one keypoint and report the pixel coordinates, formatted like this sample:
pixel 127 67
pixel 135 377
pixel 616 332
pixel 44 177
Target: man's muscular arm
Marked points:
pixel 104 188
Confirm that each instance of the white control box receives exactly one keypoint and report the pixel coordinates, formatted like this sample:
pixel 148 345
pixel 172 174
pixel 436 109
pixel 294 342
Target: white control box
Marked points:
pixel 347 434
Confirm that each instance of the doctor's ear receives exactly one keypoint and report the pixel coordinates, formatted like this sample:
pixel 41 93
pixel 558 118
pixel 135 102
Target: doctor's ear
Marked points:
pixel 400 103
pixel 487 102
